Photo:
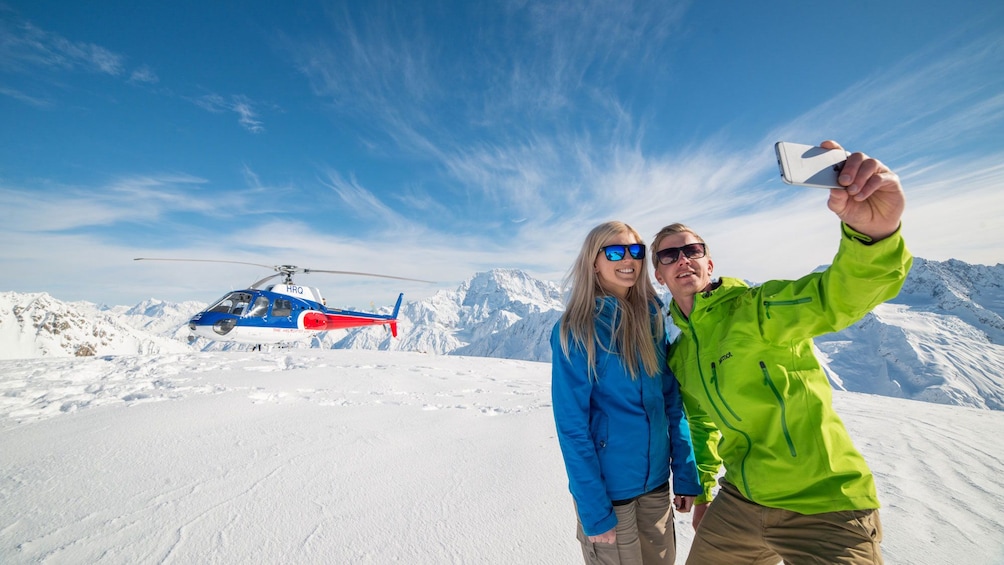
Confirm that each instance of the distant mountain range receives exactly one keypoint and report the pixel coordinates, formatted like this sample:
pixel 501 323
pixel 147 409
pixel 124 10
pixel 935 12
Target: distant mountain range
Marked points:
pixel 941 340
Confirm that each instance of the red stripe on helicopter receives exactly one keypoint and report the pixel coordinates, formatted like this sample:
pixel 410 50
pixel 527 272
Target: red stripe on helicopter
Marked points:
pixel 318 321
pixel 339 321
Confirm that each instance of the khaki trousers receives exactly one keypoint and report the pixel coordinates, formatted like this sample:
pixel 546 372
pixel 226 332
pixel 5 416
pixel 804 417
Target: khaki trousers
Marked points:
pixel 735 530
pixel 645 534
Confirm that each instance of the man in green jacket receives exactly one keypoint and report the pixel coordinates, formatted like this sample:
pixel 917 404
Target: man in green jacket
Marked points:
pixel 795 487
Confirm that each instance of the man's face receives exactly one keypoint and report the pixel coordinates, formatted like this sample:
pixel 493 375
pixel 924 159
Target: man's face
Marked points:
pixel 684 277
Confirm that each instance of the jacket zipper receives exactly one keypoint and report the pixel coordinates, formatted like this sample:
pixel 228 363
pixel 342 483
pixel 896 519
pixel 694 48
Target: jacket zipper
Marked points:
pixel 714 381
pixel 648 466
pixel 784 408
pixel 711 400
pixel 768 303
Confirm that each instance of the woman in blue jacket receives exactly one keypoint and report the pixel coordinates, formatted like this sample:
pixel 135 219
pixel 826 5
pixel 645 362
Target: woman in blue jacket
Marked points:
pixel 617 408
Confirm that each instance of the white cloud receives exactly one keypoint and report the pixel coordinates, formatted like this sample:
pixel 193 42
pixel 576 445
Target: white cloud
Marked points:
pixel 248 117
pixel 144 74
pixel 540 135
pixel 364 203
pixel 26 47
pixel 26 98
pixel 240 104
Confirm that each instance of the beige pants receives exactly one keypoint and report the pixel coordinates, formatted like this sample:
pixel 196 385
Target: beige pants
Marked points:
pixel 735 530
pixel 645 534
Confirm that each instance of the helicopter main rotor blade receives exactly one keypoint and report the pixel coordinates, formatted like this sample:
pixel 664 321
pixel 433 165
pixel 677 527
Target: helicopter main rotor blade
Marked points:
pixel 205 261
pixel 287 270
pixel 306 271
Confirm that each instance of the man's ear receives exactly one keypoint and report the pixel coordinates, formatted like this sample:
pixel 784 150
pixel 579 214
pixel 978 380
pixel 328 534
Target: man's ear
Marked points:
pixel 711 266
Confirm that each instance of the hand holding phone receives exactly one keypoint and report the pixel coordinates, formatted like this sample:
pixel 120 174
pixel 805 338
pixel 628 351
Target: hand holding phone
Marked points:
pixel 808 165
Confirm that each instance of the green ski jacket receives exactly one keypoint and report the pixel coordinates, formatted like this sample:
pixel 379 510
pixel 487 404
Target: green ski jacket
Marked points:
pixel 757 398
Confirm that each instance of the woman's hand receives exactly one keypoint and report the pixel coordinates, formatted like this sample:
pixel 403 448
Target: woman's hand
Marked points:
pixel 683 504
pixel 605 537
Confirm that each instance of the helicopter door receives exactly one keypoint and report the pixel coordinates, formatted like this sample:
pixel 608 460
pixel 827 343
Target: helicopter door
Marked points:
pixel 282 308
pixel 260 308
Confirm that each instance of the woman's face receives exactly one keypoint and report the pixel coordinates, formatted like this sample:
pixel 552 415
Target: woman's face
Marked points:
pixel 616 277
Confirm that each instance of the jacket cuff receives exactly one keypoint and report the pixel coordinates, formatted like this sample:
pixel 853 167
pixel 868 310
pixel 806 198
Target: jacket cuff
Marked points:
pixel 854 235
pixel 601 527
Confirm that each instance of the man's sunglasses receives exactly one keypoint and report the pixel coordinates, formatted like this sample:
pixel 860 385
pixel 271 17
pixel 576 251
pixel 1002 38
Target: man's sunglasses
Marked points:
pixel 618 252
pixel 671 255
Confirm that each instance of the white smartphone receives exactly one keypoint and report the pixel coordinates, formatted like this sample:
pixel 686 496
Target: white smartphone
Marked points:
pixel 808 165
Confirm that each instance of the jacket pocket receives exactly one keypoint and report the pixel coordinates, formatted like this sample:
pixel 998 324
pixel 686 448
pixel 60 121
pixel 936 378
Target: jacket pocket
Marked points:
pixel 768 304
pixel 784 408
pixel 599 429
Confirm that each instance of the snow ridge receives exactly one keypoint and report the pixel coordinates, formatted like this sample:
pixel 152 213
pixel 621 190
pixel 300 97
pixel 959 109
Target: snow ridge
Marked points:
pixel 941 340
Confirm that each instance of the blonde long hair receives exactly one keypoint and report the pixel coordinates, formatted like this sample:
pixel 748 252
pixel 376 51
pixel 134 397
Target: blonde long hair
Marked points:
pixel 634 334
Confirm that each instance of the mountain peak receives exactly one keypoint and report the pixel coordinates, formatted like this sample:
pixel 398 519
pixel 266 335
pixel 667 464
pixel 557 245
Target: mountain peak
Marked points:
pixel 510 289
pixel 974 293
pixel 940 340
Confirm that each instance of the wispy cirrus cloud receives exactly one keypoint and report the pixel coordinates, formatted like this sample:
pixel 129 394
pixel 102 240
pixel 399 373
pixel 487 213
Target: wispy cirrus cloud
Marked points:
pixel 926 117
pixel 364 204
pixel 519 123
pixel 26 98
pixel 145 75
pixel 28 47
pixel 126 199
pixel 239 104
pixel 248 116
pixel 44 58
pixel 942 99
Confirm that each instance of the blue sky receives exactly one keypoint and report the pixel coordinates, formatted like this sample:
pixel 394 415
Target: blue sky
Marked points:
pixel 435 140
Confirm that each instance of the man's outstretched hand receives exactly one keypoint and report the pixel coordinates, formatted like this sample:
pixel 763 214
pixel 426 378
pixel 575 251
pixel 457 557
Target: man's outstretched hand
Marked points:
pixel 873 201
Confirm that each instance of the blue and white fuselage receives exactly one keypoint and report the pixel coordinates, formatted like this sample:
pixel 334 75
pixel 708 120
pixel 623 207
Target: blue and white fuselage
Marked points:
pixel 280 313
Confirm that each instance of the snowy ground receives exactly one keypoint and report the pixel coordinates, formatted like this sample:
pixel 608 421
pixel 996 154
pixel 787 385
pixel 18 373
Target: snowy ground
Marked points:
pixel 342 456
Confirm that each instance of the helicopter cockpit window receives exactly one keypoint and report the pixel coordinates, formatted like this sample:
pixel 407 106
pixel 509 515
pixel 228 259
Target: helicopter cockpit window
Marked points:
pixel 260 307
pixel 281 308
pixel 223 305
pixel 233 303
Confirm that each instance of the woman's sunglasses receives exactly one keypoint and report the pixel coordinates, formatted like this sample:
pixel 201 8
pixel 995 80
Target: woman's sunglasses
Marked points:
pixel 618 252
pixel 671 255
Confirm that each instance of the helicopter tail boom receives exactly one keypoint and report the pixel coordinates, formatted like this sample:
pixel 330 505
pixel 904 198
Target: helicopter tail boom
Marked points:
pixel 342 319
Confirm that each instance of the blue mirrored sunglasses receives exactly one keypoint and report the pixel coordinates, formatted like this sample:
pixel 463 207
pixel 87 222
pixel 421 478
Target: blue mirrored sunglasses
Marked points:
pixel 618 252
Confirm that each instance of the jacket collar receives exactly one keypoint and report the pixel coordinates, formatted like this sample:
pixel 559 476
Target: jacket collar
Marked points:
pixel 722 289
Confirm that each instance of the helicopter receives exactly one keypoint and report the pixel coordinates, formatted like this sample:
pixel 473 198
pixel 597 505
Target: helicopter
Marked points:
pixel 279 312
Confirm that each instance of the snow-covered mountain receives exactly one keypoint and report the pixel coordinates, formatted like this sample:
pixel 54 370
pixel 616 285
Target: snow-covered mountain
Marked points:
pixel 941 340
pixel 38 325
pixel 498 313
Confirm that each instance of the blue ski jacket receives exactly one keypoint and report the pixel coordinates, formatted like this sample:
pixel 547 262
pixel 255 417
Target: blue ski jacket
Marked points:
pixel 619 436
